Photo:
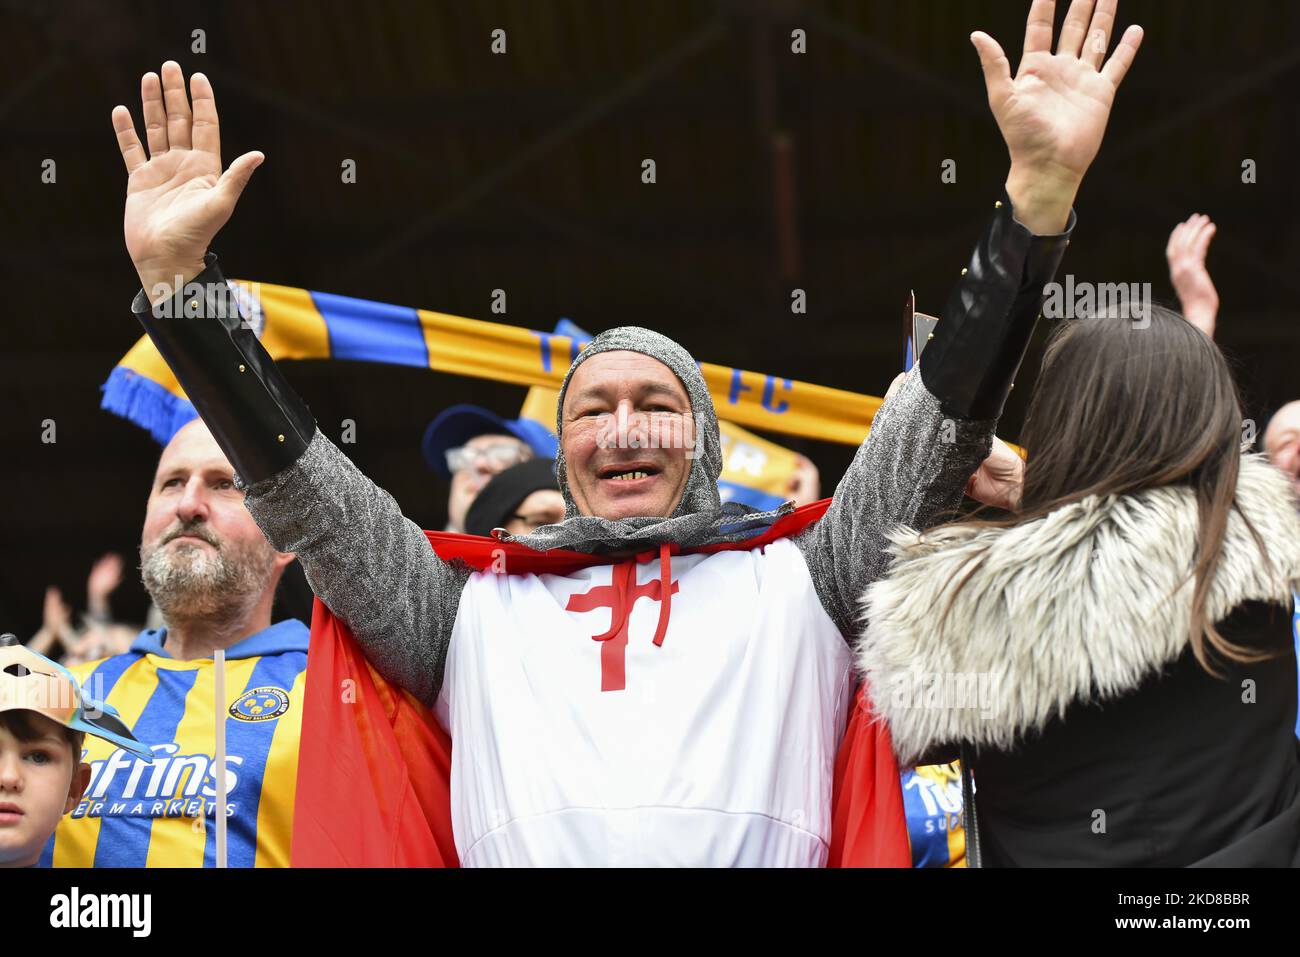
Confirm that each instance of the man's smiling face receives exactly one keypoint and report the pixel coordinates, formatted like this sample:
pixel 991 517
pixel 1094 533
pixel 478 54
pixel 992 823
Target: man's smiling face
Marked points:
pixel 628 432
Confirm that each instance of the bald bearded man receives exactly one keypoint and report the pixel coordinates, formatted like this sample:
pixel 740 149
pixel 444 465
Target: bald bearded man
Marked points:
pixel 212 574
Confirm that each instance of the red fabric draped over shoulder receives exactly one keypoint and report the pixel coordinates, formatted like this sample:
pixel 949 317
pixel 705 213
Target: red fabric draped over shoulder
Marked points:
pixel 374 765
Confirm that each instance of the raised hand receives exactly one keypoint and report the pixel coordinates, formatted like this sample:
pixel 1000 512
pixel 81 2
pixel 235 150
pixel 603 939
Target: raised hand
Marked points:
pixel 1053 113
pixel 105 576
pixel 177 197
pixel 1188 244
pixel 56 629
pixel 56 615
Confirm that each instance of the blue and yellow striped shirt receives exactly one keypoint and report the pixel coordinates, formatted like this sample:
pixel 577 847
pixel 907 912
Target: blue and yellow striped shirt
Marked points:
pixel 160 814
pixel 932 803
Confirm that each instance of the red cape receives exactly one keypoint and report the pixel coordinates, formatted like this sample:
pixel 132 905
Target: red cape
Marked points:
pixel 374 765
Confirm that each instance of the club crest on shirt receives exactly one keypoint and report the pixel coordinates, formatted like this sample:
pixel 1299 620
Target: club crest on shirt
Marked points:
pixel 260 704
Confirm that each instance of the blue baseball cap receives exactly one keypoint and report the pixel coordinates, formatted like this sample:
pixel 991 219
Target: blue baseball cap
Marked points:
pixel 456 425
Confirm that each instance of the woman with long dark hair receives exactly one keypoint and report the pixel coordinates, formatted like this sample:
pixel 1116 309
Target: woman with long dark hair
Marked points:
pixel 1115 657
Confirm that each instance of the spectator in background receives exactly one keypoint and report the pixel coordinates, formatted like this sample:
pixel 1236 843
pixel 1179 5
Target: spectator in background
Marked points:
pixel 44 719
pixel 1188 244
pixel 1282 441
pixel 468 445
pixel 213 575
pixel 56 633
pixel 521 499
pixel 1129 469
pixel 100 636
pixel 1282 446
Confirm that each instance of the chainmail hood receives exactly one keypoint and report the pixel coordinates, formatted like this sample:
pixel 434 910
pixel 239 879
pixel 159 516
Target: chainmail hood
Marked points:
pixel 700 517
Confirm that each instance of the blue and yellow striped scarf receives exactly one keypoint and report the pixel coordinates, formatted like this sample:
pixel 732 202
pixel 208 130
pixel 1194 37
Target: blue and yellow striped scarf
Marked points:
pixel 305 324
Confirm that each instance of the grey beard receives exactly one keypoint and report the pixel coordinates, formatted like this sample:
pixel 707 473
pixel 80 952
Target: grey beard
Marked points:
pixel 188 583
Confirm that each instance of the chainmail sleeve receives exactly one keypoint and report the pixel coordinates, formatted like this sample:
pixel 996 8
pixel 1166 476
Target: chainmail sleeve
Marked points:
pixel 373 567
pixel 910 471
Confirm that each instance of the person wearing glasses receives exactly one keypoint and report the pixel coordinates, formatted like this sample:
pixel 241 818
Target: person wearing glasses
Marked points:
pixel 467 445
pixel 521 500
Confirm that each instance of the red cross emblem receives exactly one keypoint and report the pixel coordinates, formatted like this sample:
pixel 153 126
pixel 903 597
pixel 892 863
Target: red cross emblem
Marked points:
pixel 619 596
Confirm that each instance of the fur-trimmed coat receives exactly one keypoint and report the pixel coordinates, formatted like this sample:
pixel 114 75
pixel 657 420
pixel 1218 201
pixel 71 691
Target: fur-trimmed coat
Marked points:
pixel 1065 663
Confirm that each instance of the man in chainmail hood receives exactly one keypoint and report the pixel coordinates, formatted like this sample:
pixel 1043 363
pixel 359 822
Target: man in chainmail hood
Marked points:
pixel 676 692
pixel 690 435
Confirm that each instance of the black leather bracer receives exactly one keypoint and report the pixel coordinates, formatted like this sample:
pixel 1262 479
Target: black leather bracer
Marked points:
pixel 987 322
pixel 258 420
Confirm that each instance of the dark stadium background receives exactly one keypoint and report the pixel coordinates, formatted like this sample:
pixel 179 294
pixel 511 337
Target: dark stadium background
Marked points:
pixel 478 171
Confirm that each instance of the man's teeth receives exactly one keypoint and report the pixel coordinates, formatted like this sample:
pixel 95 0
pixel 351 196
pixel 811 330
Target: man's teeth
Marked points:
pixel 629 476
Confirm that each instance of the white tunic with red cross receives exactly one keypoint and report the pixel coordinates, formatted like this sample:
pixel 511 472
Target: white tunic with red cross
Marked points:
pixel 580 741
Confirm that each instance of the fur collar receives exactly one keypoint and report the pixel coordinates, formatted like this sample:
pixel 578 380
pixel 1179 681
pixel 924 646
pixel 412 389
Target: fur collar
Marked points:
pixel 1074 606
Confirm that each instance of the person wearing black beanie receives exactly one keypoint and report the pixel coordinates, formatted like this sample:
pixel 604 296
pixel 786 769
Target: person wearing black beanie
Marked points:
pixel 519 499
